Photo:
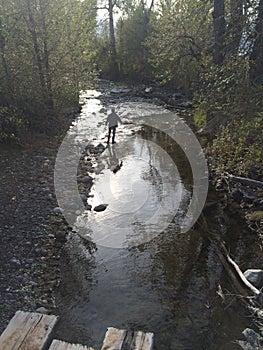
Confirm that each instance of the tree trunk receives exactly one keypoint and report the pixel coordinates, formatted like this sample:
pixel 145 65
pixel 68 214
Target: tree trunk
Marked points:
pixel 219 31
pixel 37 53
pixel 50 101
pixel 256 57
pixel 114 73
pixel 9 80
pixel 235 27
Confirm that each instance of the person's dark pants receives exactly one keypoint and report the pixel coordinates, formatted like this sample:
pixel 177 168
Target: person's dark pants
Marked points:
pixel 113 129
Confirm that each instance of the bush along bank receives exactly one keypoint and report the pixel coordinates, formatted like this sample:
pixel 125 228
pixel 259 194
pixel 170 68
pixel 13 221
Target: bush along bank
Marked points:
pixel 235 158
pixel 234 152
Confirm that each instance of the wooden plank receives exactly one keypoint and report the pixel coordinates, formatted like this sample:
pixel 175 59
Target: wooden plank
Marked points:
pixel 28 331
pixel 143 341
pixel 61 345
pixel 113 339
pixel 116 339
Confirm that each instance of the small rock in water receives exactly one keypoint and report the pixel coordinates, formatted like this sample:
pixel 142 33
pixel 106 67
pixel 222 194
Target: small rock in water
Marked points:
pixel 84 198
pixel 88 207
pixel 103 110
pixel 100 145
pixel 101 207
pixel 86 179
pixel 254 276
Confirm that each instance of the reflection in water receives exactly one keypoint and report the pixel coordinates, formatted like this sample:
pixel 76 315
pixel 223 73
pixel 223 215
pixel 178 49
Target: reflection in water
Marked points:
pixel 143 197
pixel 160 280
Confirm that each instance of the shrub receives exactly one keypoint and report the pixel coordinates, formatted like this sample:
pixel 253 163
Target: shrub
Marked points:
pixel 239 147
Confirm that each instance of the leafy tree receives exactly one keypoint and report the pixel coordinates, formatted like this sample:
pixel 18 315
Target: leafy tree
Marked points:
pixel 256 56
pixel 110 43
pixel 219 31
pixel 132 31
pixel 179 41
pixel 46 47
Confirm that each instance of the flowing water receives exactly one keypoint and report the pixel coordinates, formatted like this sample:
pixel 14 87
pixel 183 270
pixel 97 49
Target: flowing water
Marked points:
pixel 145 273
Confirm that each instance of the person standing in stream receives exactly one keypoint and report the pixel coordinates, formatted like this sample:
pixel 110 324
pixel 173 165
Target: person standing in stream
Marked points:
pixel 112 120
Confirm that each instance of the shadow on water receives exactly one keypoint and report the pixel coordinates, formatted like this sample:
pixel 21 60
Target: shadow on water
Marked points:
pixel 167 284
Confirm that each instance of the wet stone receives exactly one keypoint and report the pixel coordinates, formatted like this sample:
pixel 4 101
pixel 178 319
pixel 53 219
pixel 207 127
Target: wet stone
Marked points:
pixel 29 261
pixel 42 310
pixel 88 207
pixel 33 285
pixel 9 296
pixel 84 198
pixel 20 279
pixel 38 251
pixel 100 207
pixel 254 276
pixel 237 195
pixel 57 211
pixel 60 235
pixel 85 179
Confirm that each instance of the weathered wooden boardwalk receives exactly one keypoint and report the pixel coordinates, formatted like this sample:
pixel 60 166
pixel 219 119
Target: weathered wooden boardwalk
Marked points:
pixel 34 331
pixel 117 339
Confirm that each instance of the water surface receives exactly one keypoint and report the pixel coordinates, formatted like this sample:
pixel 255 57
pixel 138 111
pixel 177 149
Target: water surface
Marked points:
pixel 144 273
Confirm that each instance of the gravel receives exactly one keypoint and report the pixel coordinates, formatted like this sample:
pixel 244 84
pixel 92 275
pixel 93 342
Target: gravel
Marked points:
pixel 29 250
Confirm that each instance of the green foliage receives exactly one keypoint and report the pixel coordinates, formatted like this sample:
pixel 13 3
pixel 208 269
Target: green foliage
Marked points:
pixel 199 117
pixel 131 33
pixel 180 36
pixel 103 49
pixel 47 53
pixel 221 87
pixel 239 147
pixel 10 123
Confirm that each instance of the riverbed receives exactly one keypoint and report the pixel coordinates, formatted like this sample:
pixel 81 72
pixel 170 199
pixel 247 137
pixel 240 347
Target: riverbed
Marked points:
pixel 145 272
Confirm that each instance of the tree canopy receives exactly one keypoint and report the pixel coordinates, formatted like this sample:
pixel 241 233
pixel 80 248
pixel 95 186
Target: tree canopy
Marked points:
pixel 210 50
pixel 47 49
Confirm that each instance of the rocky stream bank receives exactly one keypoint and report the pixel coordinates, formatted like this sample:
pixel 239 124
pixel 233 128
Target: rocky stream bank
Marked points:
pixel 30 241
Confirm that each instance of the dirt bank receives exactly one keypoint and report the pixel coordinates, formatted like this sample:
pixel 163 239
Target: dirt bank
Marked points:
pixel 29 251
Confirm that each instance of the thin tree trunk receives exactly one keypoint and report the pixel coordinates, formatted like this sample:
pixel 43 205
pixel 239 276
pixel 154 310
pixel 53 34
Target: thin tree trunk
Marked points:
pixel 113 52
pixel 50 101
pixel 235 27
pixel 5 65
pixel 256 57
pixel 219 31
pixel 37 53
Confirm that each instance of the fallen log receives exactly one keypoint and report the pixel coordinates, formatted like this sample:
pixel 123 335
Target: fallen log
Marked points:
pixel 245 181
pixel 242 285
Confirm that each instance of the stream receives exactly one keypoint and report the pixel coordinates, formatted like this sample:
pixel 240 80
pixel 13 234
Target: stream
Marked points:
pixel 145 273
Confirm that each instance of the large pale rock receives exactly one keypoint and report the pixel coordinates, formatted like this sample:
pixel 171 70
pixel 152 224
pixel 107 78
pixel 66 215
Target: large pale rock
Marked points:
pixel 254 276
